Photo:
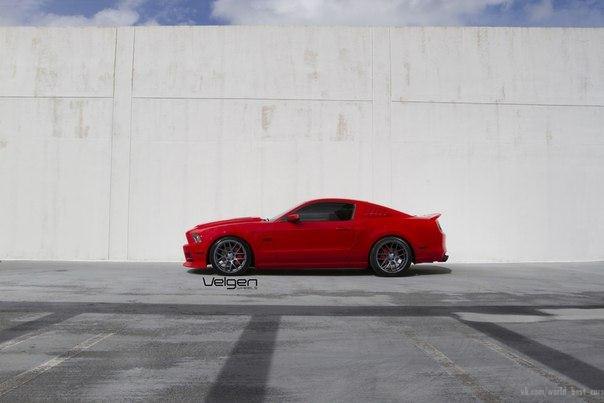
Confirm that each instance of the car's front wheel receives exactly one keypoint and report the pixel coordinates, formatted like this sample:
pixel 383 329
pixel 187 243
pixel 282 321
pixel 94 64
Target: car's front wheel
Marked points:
pixel 390 256
pixel 230 256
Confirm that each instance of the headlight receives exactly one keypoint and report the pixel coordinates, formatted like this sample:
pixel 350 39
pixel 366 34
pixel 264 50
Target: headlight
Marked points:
pixel 196 238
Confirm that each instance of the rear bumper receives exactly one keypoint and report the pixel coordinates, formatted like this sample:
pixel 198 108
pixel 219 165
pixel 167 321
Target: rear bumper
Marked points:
pixel 434 251
pixel 433 257
pixel 195 256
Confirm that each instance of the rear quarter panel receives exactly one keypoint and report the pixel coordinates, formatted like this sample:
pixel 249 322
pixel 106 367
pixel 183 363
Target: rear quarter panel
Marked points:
pixel 419 233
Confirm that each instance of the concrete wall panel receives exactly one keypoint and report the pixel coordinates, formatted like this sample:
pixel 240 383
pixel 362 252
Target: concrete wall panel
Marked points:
pixel 202 120
pixel 504 65
pixel 509 180
pixel 56 61
pixel 120 144
pixel 253 62
pixel 54 176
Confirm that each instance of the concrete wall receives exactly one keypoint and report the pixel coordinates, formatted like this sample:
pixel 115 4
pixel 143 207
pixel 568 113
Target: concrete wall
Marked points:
pixel 114 141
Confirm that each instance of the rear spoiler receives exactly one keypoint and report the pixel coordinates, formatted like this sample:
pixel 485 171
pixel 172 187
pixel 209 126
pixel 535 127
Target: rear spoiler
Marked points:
pixel 431 216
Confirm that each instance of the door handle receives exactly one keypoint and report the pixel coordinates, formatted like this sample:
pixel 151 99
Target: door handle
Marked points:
pixel 342 229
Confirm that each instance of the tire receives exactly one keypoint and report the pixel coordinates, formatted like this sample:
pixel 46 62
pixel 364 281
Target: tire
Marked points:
pixel 390 256
pixel 230 256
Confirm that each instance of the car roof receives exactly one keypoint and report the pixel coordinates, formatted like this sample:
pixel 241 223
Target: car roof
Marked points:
pixel 335 199
pixel 344 200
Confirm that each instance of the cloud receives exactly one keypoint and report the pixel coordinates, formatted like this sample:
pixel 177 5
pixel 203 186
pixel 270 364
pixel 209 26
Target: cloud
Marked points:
pixel 309 12
pixel 411 12
pixel 17 13
pixel 176 12
pixel 30 12
pixel 540 11
pixel 351 12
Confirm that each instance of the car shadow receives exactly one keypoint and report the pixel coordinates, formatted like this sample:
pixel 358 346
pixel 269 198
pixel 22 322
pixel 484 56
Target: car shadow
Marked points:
pixel 427 269
pixel 416 270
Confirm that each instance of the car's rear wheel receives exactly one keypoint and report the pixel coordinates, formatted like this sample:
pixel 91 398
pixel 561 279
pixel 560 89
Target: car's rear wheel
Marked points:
pixel 230 256
pixel 390 256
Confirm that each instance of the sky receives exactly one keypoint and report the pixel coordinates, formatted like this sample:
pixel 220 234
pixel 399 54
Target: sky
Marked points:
pixel 578 13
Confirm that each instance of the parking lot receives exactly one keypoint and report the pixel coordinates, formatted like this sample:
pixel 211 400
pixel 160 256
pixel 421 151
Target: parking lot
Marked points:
pixel 157 331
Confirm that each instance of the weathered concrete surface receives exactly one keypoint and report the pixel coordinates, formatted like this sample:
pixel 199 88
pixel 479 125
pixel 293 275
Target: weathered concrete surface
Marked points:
pixel 115 141
pixel 54 176
pixel 498 284
pixel 153 331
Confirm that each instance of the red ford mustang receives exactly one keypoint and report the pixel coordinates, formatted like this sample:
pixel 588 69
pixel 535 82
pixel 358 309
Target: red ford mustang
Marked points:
pixel 324 233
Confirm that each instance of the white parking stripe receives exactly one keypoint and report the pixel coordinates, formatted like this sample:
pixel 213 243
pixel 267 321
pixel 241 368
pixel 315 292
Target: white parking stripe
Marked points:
pixel 31 374
pixel 20 339
pixel 575 313
pixel 530 364
pixel 31 316
pixel 553 314
pixel 533 366
pixel 500 318
pixel 451 368
pixel 27 336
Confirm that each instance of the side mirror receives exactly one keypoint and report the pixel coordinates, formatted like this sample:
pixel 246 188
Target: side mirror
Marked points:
pixel 293 217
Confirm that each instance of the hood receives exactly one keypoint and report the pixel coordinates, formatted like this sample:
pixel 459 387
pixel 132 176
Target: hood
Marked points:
pixel 231 221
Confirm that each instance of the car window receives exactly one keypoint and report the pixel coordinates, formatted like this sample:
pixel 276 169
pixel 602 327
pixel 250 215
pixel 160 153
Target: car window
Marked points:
pixel 326 212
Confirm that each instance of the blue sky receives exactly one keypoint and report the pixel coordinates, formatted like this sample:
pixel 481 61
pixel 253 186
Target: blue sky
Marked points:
pixel 307 12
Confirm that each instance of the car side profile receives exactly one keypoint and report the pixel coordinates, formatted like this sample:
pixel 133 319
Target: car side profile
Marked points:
pixel 322 233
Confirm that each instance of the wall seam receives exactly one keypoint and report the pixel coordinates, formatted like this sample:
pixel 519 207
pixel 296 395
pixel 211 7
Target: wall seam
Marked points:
pixel 130 143
pixel 498 103
pixel 372 170
pixel 55 97
pixel 390 108
pixel 111 147
pixel 256 99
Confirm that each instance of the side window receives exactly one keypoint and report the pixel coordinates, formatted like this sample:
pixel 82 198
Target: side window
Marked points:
pixel 326 212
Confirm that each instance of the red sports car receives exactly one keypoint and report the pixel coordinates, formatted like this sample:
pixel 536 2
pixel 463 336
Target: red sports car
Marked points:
pixel 325 233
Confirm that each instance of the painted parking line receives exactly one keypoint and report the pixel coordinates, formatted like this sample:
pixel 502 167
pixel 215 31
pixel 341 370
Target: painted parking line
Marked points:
pixel 451 367
pixel 26 329
pixel 19 340
pixel 533 366
pixel 27 336
pixel 29 317
pixel 581 391
pixel 575 313
pixel 500 317
pixel 32 373
pixel 549 314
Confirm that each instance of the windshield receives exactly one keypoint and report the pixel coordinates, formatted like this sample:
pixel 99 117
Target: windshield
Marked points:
pixel 275 218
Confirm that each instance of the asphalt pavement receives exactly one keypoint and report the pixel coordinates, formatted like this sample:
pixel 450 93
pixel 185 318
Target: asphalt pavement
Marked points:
pixel 445 332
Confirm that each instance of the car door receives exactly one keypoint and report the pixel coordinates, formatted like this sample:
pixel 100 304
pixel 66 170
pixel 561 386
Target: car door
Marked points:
pixel 324 235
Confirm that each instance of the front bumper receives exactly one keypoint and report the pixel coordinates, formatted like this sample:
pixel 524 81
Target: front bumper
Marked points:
pixel 195 256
